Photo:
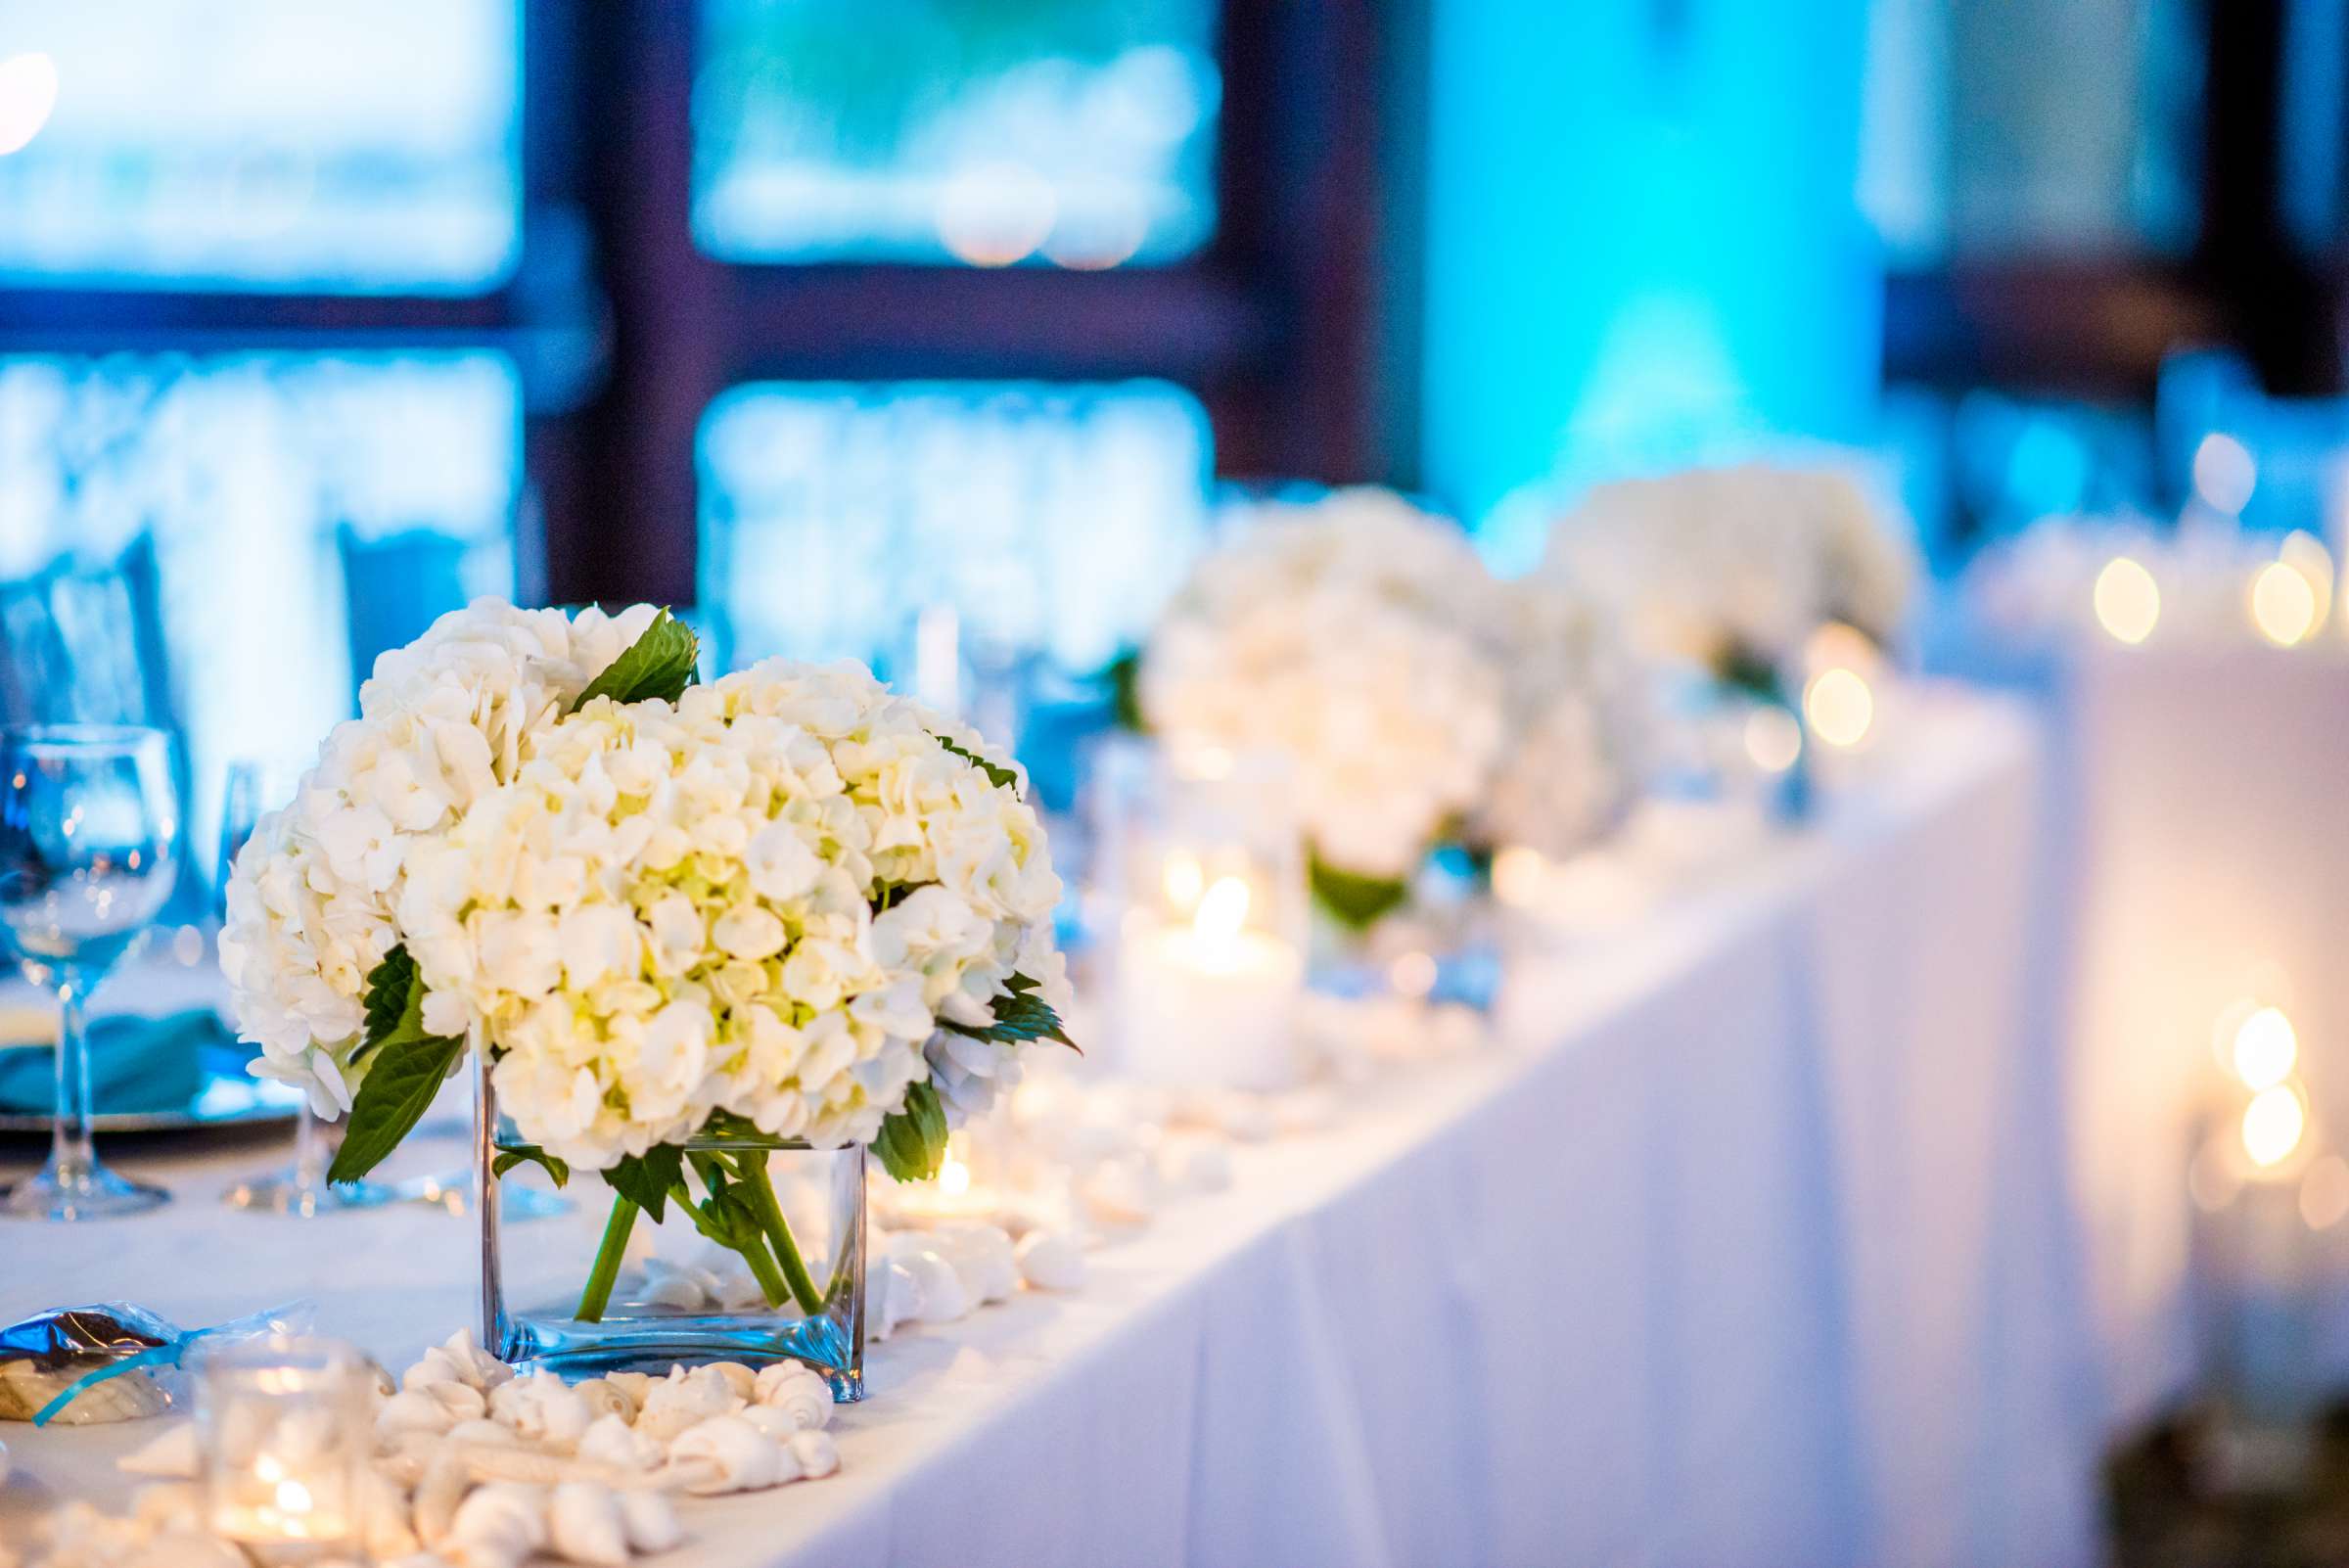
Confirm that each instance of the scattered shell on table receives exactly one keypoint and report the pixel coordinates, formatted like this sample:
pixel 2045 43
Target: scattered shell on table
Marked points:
pixel 483 1431
pixel 681 1400
pixel 727 1453
pixel 1118 1192
pixel 939 1294
pixel 430 1407
pixel 584 1524
pixel 792 1388
pixel 982 1256
pixel 542 1409
pixel 497 1526
pixel 1195 1162
pixel 816 1453
pixel 609 1439
pixel 651 1520
pixel 168 1506
pixel 1051 1259
pixel 893 1297
pixel 607 1398
pixel 459 1359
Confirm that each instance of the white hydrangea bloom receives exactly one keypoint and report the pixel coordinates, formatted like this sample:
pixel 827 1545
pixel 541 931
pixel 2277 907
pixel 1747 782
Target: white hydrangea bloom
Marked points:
pixel 763 899
pixel 1714 564
pixel 1582 722
pixel 1343 634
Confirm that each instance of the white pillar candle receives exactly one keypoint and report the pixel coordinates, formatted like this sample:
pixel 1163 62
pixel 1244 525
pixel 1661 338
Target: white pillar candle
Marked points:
pixel 1212 1002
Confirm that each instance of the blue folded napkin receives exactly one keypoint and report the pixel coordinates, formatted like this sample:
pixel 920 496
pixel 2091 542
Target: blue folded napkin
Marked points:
pixel 137 1065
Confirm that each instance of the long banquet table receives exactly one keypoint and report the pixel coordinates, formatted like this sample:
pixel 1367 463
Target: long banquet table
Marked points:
pixel 1747 1246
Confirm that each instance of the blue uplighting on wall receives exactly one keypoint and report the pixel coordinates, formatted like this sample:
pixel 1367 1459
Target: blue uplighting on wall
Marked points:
pixel 1643 242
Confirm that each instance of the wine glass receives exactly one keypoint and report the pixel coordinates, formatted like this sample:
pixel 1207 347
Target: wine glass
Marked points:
pixel 299 1189
pixel 89 834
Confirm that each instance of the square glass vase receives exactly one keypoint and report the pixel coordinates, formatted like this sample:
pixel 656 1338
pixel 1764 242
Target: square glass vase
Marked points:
pixel 572 1294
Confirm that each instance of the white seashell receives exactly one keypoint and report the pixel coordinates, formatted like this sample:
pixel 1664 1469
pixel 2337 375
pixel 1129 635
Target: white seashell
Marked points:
pixel 893 1296
pixel 678 1286
pixel 609 1439
pixel 542 1409
pixel 443 1487
pixel 169 1504
pixel 740 1380
pixel 607 1398
pixel 384 1525
pixel 497 1526
pixel 776 1424
pixel 1195 1162
pixel 939 1293
pixel 430 1407
pixel 982 1256
pixel 1051 1259
pixel 798 1391
pixel 649 1519
pixel 458 1361
pixel 817 1455
pixel 483 1431
pixel 1114 1194
pixel 584 1524
pixel 727 1453
pixel 632 1385
pixel 681 1402
pixel 172 1455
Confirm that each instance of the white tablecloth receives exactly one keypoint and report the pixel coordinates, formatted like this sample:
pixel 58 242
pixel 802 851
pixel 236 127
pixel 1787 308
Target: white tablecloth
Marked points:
pixel 1744 1251
pixel 2196 860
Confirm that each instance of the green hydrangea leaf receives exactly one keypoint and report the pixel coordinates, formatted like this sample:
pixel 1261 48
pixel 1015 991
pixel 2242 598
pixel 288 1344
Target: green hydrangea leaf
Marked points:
pixel 913 1142
pixel 1019 1015
pixel 405 1067
pixel 647 1179
pixel 660 663
pixel 397 1091
pixel 1000 777
pixel 1356 903
pixel 529 1154
pixel 1123 677
pixel 1742 668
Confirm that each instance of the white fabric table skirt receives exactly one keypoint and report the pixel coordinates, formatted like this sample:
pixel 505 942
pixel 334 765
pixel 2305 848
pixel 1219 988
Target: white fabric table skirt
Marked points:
pixel 2196 860
pixel 1744 1251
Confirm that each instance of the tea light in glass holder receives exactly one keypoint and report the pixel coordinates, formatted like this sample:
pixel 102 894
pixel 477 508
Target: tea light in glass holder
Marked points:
pixel 283 1428
pixel 1209 958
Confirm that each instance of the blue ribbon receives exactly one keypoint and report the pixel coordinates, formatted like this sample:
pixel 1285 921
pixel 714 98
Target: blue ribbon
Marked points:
pixel 285 1320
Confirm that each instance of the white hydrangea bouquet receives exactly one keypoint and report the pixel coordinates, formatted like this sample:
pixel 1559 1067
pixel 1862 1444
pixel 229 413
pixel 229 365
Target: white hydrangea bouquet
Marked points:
pixel 1583 723
pixel 1344 635
pixel 1733 567
pixel 786 902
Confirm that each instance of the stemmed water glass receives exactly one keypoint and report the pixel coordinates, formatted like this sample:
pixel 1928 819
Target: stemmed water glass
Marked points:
pixel 299 1189
pixel 89 834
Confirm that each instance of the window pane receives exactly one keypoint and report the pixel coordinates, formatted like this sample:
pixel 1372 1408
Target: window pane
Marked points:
pixel 262 525
pixel 1053 519
pixel 2043 127
pixel 260 144
pixel 1073 132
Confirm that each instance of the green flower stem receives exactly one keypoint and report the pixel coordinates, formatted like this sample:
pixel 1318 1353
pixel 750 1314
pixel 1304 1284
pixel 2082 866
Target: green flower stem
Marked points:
pixel 778 1232
pixel 762 1268
pixel 598 1294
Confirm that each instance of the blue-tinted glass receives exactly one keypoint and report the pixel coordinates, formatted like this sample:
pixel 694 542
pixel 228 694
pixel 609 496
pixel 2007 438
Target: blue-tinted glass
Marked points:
pixel 260 144
pixel 1053 519
pixel 1073 132
pixel 256 526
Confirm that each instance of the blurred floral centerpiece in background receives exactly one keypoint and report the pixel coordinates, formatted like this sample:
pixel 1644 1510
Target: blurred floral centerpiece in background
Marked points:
pixel 1734 568
pixel 689 930
pixel 1341 634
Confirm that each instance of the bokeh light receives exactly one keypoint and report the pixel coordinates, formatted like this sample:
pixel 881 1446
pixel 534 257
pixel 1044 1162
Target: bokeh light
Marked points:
pixel 2266 1050
pixel 27 95
pixel 1839 707
pixel 2283 604
pixel 2225 473
pixel 2128 601
pixel 1773 740
pixel 2273 1125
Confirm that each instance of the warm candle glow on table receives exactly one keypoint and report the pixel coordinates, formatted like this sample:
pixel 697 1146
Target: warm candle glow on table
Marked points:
pixel 2283 604
pixel 2128 601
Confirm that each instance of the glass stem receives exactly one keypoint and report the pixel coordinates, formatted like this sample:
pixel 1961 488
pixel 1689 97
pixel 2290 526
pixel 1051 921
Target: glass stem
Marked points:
pixel 778 1232
pixel 72 1153
pixel 598 1294
pixel 309 1151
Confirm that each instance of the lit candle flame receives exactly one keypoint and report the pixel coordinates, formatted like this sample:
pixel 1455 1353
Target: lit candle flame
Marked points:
pixel 1839 707
pixel 2266 1050
pixel 1222 915
pixel 2273 1124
